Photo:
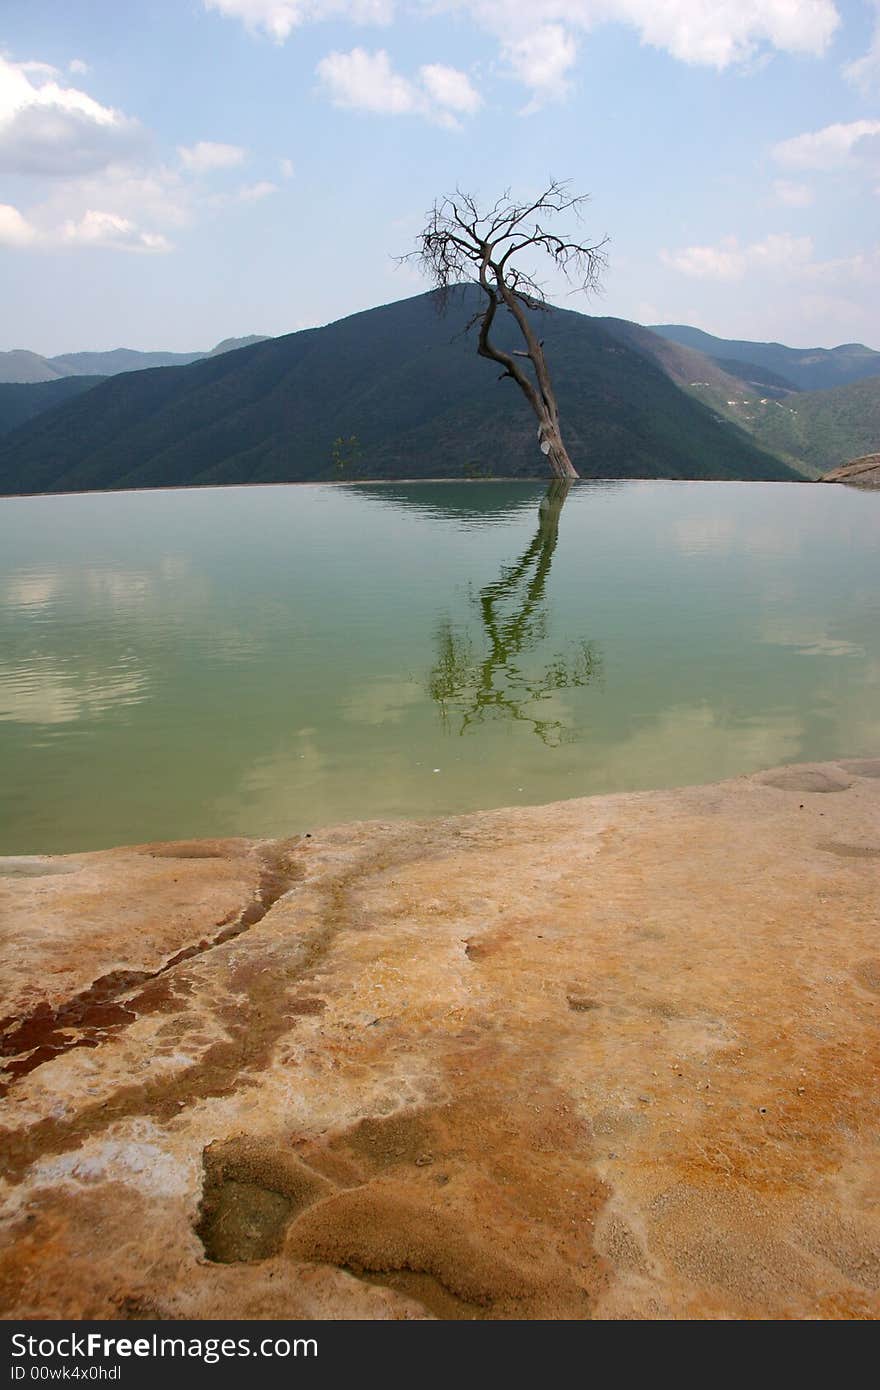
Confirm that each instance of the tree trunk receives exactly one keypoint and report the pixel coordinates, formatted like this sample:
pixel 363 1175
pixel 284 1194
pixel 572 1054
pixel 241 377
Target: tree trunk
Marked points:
pixel 555 452
pixel 539 394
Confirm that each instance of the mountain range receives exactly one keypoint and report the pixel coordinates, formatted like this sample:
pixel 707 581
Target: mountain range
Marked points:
pixel 404 387
pixel 798 369
pixel 399 391
pixel 22 367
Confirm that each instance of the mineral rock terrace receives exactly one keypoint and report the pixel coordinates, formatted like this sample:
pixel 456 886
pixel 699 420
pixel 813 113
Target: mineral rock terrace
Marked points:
pixel 610 1058
pixel 861 472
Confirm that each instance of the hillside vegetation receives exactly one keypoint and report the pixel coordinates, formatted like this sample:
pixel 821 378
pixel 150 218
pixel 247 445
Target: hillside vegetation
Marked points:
pixel 406 385
pixel 817 430
pixel 803 369
pixel 22 402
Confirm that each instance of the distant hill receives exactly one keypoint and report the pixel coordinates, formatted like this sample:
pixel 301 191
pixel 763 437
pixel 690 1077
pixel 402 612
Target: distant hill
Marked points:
pixel 119 360
pixel 233 344
pixel 804 369
pixel 22 402
pixel 816 430
pixel 21 366
pixel 408 384
pixel 684 365
pixel 760 378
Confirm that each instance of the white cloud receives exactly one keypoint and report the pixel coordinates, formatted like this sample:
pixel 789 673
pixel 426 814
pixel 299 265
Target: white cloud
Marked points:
pixel 832 318
pixel 76 65
pixel 286 167
pixel 449 88
pixel 724 262
pixel 50 129
pixel 159 194
pixel 206 156
pixel 362 81
pixel 712 32
pixel 15 230
pixel 109 229
pixel 538 37
pixel 104 189
pixel 254 192
pixel 93 228
pixel 828 149
pixel 864 73
pixel 279 18
pixel 731 261
pixel 792 195
pixel 156 196
pixel 718 33
pixel 123 208
pixel 779 251
pixel 778 279
pixel 366 81
pixel 541 60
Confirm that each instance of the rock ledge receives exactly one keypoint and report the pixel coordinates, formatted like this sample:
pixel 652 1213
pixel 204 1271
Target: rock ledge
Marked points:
pixel 610 1058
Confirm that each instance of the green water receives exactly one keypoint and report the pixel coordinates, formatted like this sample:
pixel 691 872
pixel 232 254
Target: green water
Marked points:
pixel 264 661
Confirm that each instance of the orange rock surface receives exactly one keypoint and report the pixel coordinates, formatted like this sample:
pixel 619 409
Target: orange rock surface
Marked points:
pixel 861 472
pixel 610 1058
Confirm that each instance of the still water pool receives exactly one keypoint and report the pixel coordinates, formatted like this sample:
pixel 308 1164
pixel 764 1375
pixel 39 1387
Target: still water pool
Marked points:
pixel 263 661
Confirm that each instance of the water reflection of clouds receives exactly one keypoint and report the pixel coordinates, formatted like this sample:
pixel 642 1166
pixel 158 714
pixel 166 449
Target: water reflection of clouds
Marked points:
pixel 121 588
pixel 113 586
pixel 382 701
pixel 169 588
pixel 694 535
pixel 43 690
pixel 772 532
pixel 723 534
pixel 170 596
pixel 830 646
pixel 281 790
pixel 677 746
pixel 806 637
pixel 31 590
pixel 302 784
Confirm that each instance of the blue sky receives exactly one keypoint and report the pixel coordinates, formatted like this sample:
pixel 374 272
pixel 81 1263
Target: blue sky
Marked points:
pixel 181 171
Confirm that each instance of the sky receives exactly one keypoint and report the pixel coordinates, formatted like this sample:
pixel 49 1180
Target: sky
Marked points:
pixel 182 171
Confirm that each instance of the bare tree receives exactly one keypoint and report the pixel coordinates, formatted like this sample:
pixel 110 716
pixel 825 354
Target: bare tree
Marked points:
pixel 462 243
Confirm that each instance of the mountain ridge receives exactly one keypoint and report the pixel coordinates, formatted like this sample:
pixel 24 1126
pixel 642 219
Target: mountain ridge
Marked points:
pixel 406 385
pixel 20 366
pixel 806 369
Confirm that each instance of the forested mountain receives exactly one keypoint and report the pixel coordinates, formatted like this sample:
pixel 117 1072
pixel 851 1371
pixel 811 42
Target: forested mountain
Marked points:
pixel 394 392
pixel 817 430
pixel 803 369
pixel 21 402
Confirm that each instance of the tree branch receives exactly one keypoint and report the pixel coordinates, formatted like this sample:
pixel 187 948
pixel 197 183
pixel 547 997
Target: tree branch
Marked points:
pixel 461 243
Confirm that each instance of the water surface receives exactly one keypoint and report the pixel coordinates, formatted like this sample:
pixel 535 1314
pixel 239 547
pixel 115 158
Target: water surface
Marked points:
pixel 266 660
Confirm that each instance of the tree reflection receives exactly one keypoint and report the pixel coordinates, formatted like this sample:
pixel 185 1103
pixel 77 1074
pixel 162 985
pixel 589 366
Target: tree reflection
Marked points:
pixel 469 687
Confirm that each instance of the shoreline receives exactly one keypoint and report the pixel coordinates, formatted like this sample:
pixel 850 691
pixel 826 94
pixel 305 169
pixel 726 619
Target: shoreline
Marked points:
pixel 611 1057
pixel 538 481
pixel 357 825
